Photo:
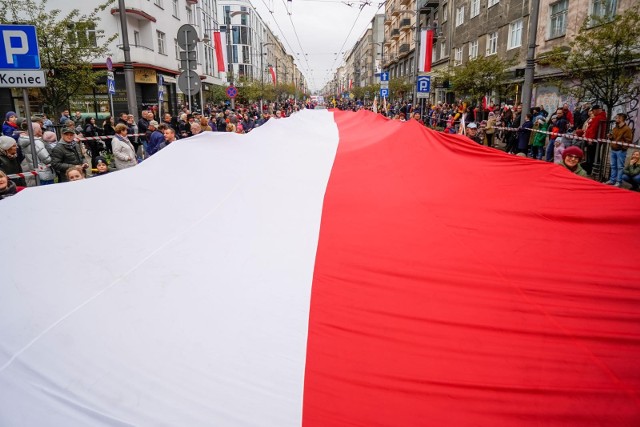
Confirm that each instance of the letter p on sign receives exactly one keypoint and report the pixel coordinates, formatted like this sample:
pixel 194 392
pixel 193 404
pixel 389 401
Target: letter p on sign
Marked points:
pixel 13 48
pixel 19 48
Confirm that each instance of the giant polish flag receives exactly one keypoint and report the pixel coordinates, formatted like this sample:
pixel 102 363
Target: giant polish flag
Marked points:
pixel 330 269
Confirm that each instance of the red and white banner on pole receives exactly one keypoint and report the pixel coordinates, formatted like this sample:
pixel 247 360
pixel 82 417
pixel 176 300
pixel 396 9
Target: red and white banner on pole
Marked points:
pixel 220 43
pixel 274 77
pixel 426 50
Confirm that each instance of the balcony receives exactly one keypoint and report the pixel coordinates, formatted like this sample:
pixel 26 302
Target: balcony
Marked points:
pixel 134 13
pixel 192 1
pixel 405 24
pixel 395 34
pixel 405 2
pixel 403 49
pixel 387 18
pixel 396 11
pixel 429 4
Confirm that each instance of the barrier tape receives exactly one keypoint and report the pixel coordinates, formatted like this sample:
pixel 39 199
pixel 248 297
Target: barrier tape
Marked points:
pixel 23 174
pixel 97 138
pixel 572 136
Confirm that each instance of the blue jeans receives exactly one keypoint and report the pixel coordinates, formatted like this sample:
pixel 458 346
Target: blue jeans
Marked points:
pixel 633 180
pixel 617 165
pixel 549 153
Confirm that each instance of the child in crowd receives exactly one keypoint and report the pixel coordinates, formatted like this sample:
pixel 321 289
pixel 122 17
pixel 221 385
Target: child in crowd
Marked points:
pixel 102 167
pixel 558 149
pixel 75 173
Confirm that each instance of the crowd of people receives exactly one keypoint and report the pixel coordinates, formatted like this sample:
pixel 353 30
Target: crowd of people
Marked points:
pixel 76 148
pixel 560 136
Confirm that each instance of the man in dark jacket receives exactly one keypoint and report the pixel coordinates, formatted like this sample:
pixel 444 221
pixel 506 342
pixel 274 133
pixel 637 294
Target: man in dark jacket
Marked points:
pixel 154 138
pixel 66 154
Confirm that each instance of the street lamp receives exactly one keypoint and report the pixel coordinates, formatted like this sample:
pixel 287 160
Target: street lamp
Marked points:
pixel 230 50
pixel 262 45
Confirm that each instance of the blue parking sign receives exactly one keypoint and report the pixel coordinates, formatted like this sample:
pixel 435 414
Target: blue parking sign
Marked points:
pixel 423 84
pixel 384 92
pixel 19 47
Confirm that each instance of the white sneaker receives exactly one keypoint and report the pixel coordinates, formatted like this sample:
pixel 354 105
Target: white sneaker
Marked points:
pixel 617 184
pixel 609 183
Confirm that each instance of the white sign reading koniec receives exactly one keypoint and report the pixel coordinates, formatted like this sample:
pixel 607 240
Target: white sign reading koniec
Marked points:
pixel 22 78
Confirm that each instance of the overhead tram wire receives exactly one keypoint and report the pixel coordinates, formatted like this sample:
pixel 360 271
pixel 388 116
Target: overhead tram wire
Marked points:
pixel 278 25
pixel 299 42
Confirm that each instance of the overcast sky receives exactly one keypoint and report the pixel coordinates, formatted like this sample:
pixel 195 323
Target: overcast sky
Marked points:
pixel 323 30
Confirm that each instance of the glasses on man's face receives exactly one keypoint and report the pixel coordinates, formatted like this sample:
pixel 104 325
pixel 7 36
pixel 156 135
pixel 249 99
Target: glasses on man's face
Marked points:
pixel 573 156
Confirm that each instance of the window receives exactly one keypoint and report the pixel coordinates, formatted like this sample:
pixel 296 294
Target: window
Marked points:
pixel 473 49
pixel 603 8
pixel 492 43
pixel 177 48
pixel 136 38
pixel 443 50
pixel 457 53
pixel 176 10
pixel 558 23
pixel 162 41
pixel 189 15
pixel 445 12
pixel 475 8
pixel 515 34
pixel 459 16
pixel 492 3
pixel 83 34
pixel 158 3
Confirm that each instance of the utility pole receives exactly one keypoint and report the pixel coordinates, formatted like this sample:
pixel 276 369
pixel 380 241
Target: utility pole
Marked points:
pixel 527 87
pixel 129 80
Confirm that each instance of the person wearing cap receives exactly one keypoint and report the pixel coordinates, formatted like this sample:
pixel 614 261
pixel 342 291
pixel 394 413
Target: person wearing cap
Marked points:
pixel 596 129
pixel 9 162
pixel 472 132
pixel 621 133
pixel 45 173
pixel 571 158
pixel 154 138
pixel 10 125
pixel 102 167
pixel 67 154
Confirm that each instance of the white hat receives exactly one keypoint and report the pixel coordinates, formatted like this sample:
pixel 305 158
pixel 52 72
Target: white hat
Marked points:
pixel 7 142
pixel 472 125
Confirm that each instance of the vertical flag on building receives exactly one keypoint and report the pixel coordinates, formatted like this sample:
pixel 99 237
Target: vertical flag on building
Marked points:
pixel 274 78
pixel 426 50
pixel 220 43
pixel 350 83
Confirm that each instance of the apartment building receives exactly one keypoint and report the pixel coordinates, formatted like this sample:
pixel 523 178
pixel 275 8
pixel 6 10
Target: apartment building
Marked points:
pixel 152 27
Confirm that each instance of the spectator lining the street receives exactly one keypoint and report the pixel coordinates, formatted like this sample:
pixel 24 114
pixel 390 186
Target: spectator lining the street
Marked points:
pixel 8 188
pixel 67 153
pixel 631 173
pixel 9 163
pixel 74 173
pixel 123 151
pixel 571 158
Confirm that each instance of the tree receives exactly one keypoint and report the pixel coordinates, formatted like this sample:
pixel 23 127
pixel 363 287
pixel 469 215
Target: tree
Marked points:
pixel 477 77
pixel 601 63
pixel 399 87
pixel 68 45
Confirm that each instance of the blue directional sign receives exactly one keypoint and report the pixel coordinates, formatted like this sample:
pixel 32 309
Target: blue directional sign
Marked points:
pixel 384 92
pixel 111 86
pixel 19 47
pixel 384 76
pixel 424 84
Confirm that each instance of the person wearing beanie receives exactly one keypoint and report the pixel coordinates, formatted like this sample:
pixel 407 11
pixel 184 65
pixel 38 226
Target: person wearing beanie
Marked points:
pixel 571 158
pixel 10 125
pixel 43 157
pixel 9 163
pixel 102 167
